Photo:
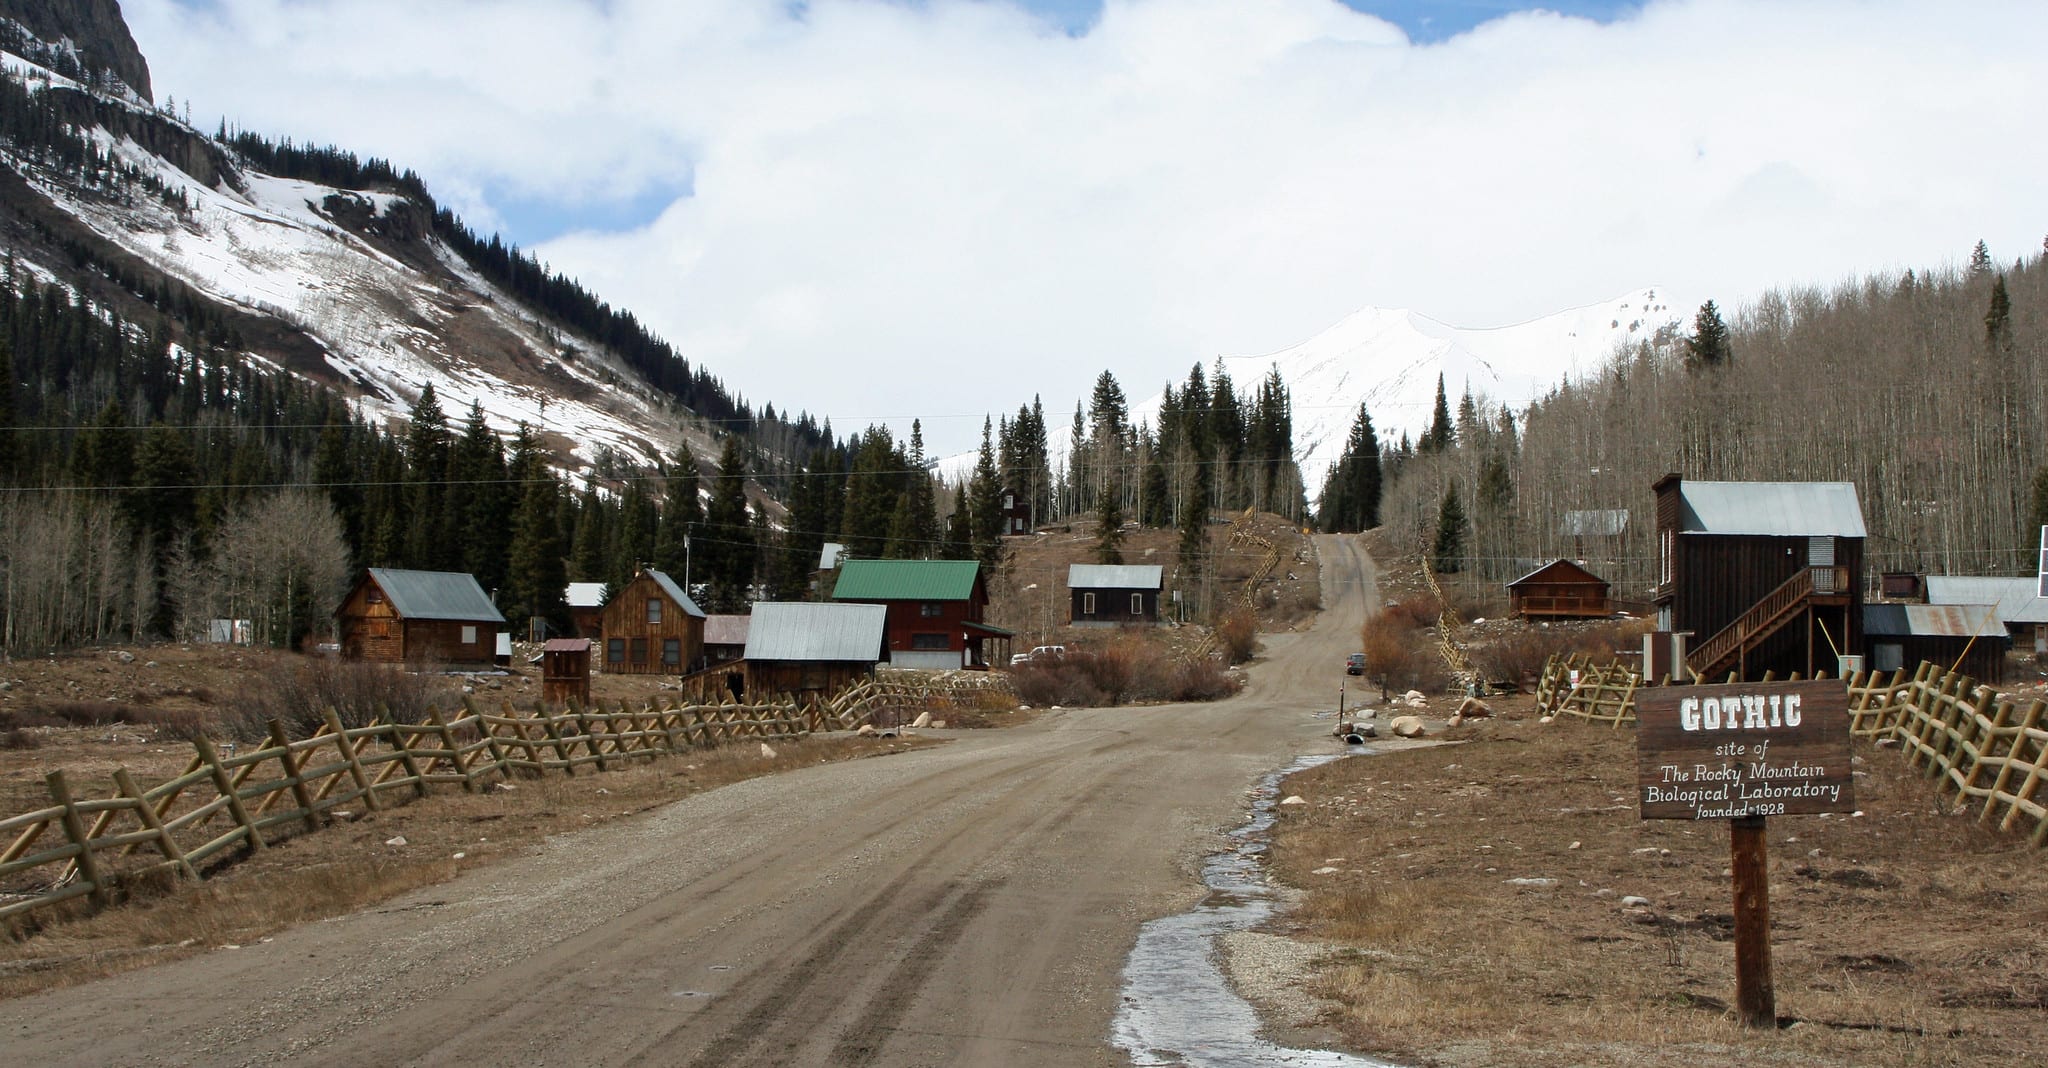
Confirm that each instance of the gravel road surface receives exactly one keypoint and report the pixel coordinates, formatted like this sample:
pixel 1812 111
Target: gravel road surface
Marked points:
pixel 966 904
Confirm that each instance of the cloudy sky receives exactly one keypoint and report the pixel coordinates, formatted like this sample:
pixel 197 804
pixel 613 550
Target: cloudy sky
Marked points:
pixel 874 209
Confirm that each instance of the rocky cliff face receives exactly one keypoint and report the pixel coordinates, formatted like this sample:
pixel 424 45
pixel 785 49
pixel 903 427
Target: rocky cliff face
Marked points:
pixel 95 27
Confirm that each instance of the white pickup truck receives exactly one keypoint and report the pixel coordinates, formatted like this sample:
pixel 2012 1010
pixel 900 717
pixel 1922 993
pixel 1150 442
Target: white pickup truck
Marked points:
pixel 1043 652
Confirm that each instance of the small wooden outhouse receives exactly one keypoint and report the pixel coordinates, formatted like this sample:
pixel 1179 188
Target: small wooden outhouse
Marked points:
pixel 565 671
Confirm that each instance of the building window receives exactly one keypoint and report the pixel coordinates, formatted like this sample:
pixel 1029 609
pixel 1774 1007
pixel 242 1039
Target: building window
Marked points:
pixel 672 651
pixel 1087 604
pixel 639 650
pixel 1009 501
pixel 928 641
pixel 374 595
pixel 931 609
pixel 654 610
pixel 1138 604
pixel 1667 554
pixel 469 635
pixel 615 651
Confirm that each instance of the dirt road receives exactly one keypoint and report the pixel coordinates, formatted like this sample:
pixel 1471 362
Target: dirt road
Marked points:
pixel 969 904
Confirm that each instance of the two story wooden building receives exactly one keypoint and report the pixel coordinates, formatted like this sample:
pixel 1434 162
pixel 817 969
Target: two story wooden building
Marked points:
pixel 1766 576
pixel 419 617
pixel 651 627
pixel 935 610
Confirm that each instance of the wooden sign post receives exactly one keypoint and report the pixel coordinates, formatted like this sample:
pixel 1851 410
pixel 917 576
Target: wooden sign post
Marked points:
pixel 1744 752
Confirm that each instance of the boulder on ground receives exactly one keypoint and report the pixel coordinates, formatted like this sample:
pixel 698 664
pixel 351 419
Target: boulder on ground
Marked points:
pixel 1473 708
pixel 867 730
pixel 924 719
pixel 767 751
pixel 1408 726
pixel 1293 799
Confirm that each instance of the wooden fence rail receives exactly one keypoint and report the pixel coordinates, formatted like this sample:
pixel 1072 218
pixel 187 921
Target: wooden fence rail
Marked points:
pixel 1986 748
pixel 89 848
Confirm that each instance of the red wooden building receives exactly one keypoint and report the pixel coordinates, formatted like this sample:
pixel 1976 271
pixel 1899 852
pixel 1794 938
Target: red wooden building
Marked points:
pixel 935 612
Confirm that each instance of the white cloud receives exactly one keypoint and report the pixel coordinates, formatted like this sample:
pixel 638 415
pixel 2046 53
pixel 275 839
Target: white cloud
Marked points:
pixel 940 209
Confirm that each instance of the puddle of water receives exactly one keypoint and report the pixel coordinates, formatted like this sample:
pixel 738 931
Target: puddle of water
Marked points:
pixel 1178 1010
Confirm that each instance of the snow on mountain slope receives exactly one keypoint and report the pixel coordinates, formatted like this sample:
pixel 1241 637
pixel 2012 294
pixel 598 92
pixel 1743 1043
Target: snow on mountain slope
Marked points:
pixel 388 327
pixel 1389 359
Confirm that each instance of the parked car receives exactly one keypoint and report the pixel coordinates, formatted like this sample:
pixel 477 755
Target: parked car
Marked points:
pixel 1042 652
pixel 1354 664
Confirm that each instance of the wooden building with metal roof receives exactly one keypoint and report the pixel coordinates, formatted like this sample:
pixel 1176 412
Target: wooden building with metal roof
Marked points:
pixel 935 610
pixel 1113 595
pixel 1960 637
pixel 395 615
pixel 1765 576
pixel 652 627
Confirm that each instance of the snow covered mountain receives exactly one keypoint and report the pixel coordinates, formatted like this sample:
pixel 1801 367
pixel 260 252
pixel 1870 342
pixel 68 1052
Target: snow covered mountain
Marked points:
pixel 355 288
pixel 1389 360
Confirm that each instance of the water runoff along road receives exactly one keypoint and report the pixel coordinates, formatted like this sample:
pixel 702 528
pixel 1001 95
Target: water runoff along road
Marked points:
pixel 967 904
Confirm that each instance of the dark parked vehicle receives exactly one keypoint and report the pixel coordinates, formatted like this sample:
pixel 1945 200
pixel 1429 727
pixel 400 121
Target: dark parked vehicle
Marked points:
pixel 1354 664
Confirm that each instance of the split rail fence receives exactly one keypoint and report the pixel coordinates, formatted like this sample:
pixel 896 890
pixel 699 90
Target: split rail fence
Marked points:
pixel 1986 748
pixel 247 799
pixel 881 700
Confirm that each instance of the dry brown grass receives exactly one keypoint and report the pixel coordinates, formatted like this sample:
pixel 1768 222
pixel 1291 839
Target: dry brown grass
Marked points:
pixel 350 866
pixel 1905 936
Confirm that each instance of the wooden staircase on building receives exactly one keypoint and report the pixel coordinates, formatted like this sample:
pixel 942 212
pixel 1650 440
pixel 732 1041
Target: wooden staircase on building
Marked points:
pixel 1773 613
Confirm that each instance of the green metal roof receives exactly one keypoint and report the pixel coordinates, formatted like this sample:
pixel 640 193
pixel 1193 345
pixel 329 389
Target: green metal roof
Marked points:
pixel 906 580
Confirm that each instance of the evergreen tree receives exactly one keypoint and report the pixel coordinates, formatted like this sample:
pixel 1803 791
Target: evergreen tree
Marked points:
pixel 590 541
pixel 1448 552
pixel 811 517
pixel 914 527
pixel 1980 259
pixel 985 505
pixel 536 579
pixel 1439 437
pixel 165 476
pixel 729 552
pixel 8 460
pixel 872 488
pixel 1351 494
pixel 1155 497
pixel 427 445
pixel 681 511
pixel 1998 319
pixel 1708 347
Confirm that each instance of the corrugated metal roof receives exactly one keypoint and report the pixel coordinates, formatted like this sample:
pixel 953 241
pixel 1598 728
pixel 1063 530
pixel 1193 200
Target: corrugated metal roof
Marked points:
pixel 566 645
pixel 1114 576
pixel 435 595
pixel 585 594
pixel 720 629
pixel 1932 621
pixel 2018 599
pixel 906 580
pixel 804 630
pixel 1771 509
pixel 675 593
pixel 1595 523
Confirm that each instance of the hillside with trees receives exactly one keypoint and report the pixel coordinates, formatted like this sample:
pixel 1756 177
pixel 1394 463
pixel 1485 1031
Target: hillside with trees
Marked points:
pixel 1927 388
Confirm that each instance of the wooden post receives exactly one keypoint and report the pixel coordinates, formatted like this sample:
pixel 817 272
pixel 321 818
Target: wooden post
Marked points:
pixel 490 734
pixel 74 828
pixel 447 734
pixel 404 747
pixel 547 723
pixel 1754 998
pixel 147 814
pixel 292 775
pixel 226 786
pixel 347 749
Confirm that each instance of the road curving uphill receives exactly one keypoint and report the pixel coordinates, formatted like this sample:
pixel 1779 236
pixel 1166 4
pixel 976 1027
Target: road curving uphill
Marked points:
pixel 971 903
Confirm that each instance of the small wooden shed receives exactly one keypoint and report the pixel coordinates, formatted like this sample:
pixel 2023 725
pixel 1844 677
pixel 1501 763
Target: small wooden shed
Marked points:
pixel 1560 589
pixel 586 608
pixel 725 638
pixel 651 627
pixel 799 649
pixel 395 615
pixel 1110 595
pixel 565 671
pixel 1963 637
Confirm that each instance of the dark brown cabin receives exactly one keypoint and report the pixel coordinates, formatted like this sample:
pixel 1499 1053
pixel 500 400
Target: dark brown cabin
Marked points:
pixel 935 610
pixel 651 627
pixel 1766 576
pixel 565 671
pixel 396 616
pixel 1560 590
pixel 1114 595
pixel 1015 511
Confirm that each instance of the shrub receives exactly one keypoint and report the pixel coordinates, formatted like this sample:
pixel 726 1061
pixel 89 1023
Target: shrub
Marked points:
pixel 1203 680
pixel 16 738
pixel 1237 632
pixel 357 692
pixel 1422 610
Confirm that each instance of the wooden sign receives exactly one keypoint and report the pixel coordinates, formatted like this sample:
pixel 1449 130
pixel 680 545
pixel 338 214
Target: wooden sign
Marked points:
pixel 1744 749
